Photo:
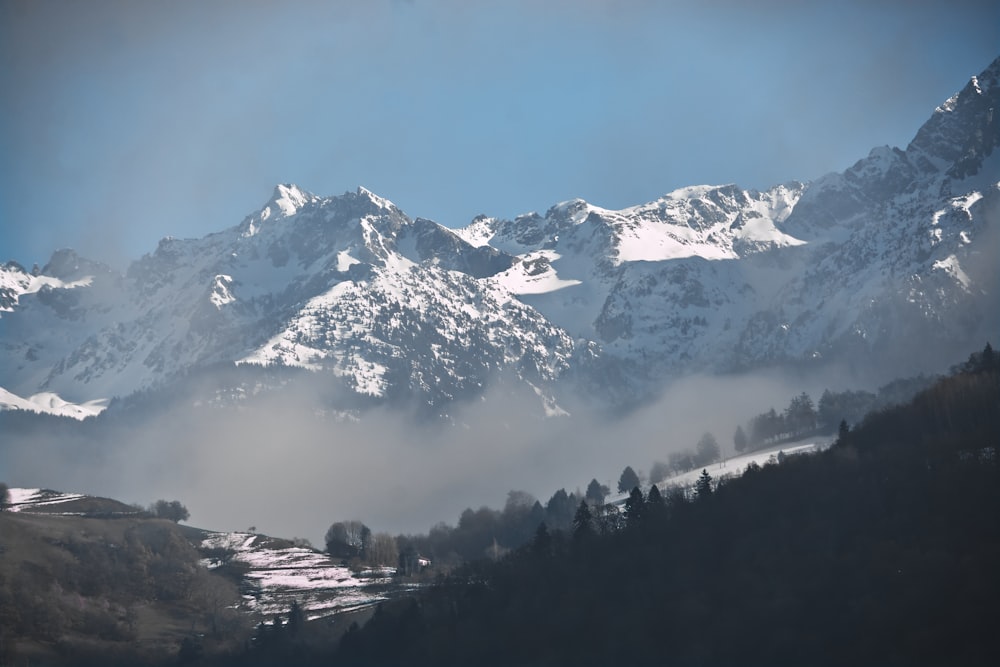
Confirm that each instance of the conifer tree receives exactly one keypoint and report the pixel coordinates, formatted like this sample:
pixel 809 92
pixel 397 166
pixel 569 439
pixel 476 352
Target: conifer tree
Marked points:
pixel 542 543
pixel 628 480
pixel 843 431
pixel 583 522
pixel 635 506
pixel 656 506
pixel 703 487
pixel 596 493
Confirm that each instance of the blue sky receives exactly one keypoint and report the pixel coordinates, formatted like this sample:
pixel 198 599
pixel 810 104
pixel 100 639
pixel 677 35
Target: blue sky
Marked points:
pixel 123 122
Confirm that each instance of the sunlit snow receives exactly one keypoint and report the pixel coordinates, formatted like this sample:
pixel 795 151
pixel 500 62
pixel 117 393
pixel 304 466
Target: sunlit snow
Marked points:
pixel 21 500
pixel 951 266
pixel 221 294
pixel 50 403
pixel 280 574
pixel 534 274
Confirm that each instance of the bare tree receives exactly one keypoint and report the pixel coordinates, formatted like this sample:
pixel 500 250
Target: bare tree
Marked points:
pixel 347 539
pixel 383 550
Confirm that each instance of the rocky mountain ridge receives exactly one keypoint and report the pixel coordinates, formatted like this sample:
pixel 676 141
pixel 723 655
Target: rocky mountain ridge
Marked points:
pixel 886 268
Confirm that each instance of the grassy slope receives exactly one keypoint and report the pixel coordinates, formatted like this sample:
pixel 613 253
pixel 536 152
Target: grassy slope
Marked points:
pixel 127 589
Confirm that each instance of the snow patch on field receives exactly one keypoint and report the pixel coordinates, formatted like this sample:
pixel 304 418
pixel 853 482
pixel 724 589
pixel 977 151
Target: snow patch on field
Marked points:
pixel 280 574
pixel 735 466
pixel 21 500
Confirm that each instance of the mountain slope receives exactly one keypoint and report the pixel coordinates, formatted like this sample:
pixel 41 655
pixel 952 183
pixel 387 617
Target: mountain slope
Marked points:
pixel 886 266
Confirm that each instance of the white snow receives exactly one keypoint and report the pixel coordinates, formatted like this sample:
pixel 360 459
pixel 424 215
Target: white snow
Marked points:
pixel 18 283
pixel 290 199
pixel 21 500
pixel 38 282
pixel 734 466
pixel 656 243
pixel 477 234
pixel 690 192
pixel 951 266
pixel 345 261
pixel 533 274
pixel 284 574
pixel 221 293
pixel 966 202
pixel 381 202
pixel 50 403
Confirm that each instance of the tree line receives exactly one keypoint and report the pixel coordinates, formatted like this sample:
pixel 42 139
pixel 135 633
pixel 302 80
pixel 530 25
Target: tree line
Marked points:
pixel 880 550
pixel 490 533
pixel 802 417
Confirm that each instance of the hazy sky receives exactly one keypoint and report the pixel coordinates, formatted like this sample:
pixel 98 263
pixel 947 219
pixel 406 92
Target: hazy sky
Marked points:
pixel 123 122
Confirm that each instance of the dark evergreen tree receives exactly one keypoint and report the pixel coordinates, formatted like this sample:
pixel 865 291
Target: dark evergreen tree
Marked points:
pixel 989 361
pixel 842 431
pixel 628 480
pixel 607 519
pixel 296 619
pixel 766 427
pixel 4 496
pixel 542 542
pixel 635 506
pixel 980 362
pixel 836 406
pixel 583 522
pixel 559 510
pixel 596 493
pixel 800 415
pixel 703 487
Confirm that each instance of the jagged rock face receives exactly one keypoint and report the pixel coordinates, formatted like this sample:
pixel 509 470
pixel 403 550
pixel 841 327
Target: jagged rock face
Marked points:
pixel 886 266
pixel 347 285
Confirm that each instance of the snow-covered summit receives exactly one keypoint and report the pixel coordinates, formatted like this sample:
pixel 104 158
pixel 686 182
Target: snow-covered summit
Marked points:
pixel 862 267
pixel 288 199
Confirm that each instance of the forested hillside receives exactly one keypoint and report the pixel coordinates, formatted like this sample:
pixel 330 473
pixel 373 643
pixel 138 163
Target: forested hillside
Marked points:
pixel 881 550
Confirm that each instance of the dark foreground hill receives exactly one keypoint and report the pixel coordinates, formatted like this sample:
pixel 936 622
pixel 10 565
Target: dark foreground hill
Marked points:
pixel 93 581
pixel 882 550
pixel 84 590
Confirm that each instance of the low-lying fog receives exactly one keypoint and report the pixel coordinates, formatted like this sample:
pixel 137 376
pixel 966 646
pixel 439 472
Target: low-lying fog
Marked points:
pixel 279 468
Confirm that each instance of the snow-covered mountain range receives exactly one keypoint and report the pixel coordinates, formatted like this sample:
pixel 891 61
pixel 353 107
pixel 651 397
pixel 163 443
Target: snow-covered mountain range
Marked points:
pixel 888 267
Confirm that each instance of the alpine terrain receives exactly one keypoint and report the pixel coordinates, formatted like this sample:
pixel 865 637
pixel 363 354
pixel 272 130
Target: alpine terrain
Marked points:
pixel 886 268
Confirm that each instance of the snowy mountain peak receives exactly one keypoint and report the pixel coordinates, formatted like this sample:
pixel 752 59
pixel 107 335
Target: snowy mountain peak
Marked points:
pixel 864 267
pixel 690 192
pixel 288 199
pixel 963 130
pixel 375 199
pixel 574 210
